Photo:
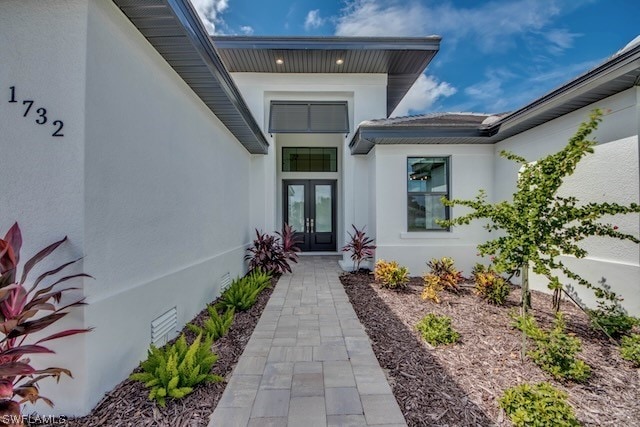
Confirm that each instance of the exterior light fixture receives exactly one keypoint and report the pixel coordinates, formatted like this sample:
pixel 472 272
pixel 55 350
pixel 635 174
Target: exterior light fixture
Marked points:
pixel 339 61
pixel 279 61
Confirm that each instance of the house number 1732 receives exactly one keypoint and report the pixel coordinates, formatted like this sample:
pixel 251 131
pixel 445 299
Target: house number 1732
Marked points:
pixel 40 113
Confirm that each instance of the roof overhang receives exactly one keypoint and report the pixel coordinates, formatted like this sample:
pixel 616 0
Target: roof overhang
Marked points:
pixel 403 59
pixel 174 29
pixel 368 136
pixel 617 74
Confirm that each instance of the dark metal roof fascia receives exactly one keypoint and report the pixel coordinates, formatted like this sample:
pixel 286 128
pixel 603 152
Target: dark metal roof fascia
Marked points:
pixel 328 43
pixel 576 87
pixel 192 27
pixel 366 137
pixel 196 32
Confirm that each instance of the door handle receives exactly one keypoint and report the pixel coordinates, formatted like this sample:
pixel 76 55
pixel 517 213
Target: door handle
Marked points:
pixel 312 226
pixel 307 228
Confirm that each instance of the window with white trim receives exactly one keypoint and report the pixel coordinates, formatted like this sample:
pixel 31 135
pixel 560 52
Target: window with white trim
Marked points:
pixel 427 183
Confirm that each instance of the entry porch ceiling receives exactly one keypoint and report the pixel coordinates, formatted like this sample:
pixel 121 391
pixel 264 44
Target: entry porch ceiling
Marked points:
pixel 174 29
pixel 403 59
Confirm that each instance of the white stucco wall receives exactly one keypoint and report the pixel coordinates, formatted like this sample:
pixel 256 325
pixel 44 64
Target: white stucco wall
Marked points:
pixel 42 176
pixel 471 169
pixel 148 184
pixel 166 197
pixel 608 175
pixel 366 98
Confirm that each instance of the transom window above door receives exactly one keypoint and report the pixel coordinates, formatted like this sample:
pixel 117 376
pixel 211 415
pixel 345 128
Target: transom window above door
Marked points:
pixel 309 159
pixel 309 117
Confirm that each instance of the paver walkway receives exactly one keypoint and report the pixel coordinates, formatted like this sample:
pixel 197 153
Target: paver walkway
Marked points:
pixel 309 361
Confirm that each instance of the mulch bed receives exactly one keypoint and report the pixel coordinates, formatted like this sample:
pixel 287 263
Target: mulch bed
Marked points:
pixel 459 385
pixel 128 405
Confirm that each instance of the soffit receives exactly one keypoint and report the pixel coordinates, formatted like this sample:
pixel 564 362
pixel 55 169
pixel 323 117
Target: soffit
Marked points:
pixel 403 59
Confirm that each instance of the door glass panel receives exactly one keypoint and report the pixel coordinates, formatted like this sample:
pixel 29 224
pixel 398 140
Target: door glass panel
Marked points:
pixel 323 209
pixel 295 205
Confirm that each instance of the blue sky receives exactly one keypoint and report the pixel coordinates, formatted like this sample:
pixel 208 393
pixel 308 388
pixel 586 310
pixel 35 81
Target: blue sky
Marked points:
pixel 495 56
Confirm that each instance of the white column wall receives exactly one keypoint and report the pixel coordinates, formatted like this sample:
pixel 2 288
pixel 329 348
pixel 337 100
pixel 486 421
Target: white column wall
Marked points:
pixel 471 169
pixel 42 176
pixel 608 175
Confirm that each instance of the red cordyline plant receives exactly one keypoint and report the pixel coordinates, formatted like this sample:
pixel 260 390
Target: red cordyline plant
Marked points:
pixel 289 243
pixel 360 246
pixel 274 253
pixel 25 310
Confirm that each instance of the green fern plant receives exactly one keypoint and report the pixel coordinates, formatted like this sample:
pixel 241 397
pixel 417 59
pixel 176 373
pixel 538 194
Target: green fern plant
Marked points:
pixel 241 295
pixel 259 278
pixel 173 371
pixel 216 325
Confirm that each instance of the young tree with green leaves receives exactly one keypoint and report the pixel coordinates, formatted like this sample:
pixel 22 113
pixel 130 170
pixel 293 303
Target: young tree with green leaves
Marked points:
pixel 538 225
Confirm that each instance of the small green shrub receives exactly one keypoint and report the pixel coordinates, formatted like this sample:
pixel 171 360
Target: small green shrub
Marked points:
pixel 610 315
pixel 538 405
pixel 216 325
pixel 630 348
pixel 437 330
pixel 615 323
pixel 242 294
pixel 489 285
pixel 173 371
pixel 555 350
pixel 390 274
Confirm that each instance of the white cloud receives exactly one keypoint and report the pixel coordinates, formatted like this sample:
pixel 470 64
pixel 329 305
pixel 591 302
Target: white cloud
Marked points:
pixel 210 11
pixel 501 90
pixel 491 25
pixel 422 95
pixel 560 74
pixel 377 18
pixel 560 39
pixel 314 20
pixel 246 29
pixel 490 92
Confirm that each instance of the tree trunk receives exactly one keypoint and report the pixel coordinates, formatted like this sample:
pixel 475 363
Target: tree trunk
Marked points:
pixel 526 304
pixel 557 299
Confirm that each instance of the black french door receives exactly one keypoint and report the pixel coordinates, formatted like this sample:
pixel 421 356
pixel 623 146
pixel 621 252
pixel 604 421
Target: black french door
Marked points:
pixel 310 209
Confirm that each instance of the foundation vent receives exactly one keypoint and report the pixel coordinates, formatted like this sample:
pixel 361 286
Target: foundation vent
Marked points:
pixel 164 327
pixel 225 281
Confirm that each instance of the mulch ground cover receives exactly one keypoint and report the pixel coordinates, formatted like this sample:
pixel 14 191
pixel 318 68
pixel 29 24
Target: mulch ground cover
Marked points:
pixel 128 405
pixel 460 384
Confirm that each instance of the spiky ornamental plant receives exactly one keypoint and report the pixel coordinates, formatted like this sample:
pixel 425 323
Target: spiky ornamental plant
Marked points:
pixel 24 311
pixel 361 247
pixel 289 243
pixel 274 253
pixel 538 225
